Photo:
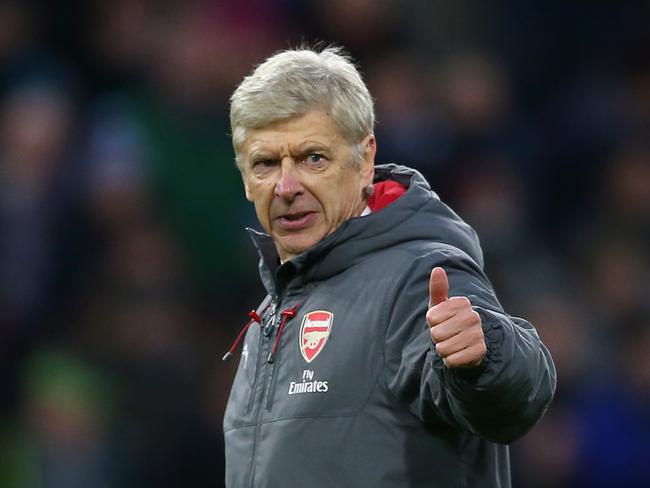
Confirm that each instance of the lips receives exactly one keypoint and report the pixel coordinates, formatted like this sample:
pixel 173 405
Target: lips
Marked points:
pixel 296 220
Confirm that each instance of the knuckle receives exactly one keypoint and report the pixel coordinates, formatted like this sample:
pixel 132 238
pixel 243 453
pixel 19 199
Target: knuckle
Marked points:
pixel 478 351
pixel 452 362
pixel 472 320
pixel 435 335
pixel 431 317
pixel 460 303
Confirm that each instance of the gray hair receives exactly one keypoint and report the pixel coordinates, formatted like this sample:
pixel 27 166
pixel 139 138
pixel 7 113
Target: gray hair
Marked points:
pixel 294 82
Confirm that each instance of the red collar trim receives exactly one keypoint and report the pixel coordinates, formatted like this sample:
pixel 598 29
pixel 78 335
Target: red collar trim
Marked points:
pixel 386 192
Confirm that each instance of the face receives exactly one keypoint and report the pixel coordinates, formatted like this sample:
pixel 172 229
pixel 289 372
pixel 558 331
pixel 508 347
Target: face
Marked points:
pixel 300 175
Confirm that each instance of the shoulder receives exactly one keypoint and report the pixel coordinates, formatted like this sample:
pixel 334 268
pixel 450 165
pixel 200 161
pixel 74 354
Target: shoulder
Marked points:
pixel 428 254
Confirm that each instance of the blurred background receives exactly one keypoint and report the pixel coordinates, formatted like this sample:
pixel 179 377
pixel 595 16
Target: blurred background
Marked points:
pixel 125 271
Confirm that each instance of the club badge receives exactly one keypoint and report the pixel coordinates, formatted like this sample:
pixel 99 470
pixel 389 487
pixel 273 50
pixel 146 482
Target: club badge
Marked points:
pixel 314 331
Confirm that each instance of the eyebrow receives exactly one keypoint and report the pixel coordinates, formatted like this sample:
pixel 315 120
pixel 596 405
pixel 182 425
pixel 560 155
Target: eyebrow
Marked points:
pixel 310 146
pixel 257 155
pixel 312 143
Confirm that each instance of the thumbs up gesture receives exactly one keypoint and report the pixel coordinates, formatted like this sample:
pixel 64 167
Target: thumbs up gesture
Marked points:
pixel 454 326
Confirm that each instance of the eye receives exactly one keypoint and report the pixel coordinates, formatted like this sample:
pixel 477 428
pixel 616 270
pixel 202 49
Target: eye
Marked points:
pixel 264 162
pixel 315 160
pixel 263 165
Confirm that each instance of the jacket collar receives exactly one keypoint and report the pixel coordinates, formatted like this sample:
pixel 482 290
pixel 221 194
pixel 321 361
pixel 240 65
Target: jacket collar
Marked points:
pixel 417 215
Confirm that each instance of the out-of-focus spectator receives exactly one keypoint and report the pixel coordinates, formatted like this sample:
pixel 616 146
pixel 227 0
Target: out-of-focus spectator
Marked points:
pixel 37 218
pixel 413 129
pixel 476 93
pixel 117 172
pixel 63 435
pixel 612 415
pixel 626 196
pixel 364 26
pixel 138 324
pixel 34 126
pixel 16 26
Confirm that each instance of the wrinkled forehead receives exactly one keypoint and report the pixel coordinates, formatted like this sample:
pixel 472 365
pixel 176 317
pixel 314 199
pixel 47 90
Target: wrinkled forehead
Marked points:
pixel 312 128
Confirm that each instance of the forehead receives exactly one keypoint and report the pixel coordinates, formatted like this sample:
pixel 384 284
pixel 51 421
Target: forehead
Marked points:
pixel 312 127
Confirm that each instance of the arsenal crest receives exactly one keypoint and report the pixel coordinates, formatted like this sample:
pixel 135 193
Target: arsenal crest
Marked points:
pixel 314 331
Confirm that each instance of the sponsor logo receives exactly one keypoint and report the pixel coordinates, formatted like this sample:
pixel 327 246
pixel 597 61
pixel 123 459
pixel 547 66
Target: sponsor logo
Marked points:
pixel 314 331
pixel 308 384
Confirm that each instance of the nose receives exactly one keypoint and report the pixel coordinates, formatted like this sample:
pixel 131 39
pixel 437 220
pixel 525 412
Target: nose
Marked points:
pixel 288 185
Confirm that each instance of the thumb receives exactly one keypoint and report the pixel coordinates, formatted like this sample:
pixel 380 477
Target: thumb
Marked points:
pixel 438 287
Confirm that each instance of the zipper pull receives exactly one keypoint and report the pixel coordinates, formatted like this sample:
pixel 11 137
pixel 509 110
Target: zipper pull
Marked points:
pixel 270 323
pixel 287 314
pixel 254 317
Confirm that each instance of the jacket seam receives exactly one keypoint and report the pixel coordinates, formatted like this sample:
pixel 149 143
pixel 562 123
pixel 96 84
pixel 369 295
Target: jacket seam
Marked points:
pixel 386 348
pixel 292 417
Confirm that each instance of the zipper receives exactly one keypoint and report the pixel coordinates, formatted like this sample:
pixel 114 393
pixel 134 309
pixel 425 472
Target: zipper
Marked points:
pixel 271 388
pixel 276 324
pixel 270 324
pixel 281 322
pixel 269 319
pixel 261 357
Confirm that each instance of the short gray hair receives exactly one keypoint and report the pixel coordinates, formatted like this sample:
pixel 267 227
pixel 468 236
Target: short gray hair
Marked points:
pixel 296 81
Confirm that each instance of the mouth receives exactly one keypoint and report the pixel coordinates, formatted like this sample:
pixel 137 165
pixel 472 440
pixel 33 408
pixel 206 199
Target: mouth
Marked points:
pixel 296 220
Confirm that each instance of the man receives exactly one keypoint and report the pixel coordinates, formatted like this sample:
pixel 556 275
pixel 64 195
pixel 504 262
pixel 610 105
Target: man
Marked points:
pixel 381 356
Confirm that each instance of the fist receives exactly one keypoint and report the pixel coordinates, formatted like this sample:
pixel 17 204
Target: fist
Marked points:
pixel 454 326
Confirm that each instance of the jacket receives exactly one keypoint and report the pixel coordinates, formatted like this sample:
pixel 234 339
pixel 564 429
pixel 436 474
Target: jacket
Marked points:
pixel 339 384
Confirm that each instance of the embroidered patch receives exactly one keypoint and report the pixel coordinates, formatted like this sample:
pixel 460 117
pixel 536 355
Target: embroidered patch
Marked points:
pixel 314 331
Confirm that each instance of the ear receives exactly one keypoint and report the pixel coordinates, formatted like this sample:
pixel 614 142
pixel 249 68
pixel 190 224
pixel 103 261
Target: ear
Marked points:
pixel 369 145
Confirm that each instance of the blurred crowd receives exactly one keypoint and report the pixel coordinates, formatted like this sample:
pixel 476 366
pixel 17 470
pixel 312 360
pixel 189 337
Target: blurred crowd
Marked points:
pixel 125 271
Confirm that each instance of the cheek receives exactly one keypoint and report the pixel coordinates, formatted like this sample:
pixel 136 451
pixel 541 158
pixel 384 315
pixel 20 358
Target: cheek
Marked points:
pixel 337 204
pixel 261 196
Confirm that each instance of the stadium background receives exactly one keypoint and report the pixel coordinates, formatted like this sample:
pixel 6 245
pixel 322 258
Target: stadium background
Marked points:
pixel 125 271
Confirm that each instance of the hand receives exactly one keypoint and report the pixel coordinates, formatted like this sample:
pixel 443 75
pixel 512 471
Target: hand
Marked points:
pixel 455 327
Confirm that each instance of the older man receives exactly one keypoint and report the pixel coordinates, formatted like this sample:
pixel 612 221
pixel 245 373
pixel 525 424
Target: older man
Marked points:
pixel 381 356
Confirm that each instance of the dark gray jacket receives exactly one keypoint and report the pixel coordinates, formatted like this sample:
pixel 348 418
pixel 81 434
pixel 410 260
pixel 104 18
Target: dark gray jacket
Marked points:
pixel 355 395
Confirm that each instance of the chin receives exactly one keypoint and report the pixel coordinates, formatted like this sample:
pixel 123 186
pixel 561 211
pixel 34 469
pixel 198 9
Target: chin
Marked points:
pixel 294 248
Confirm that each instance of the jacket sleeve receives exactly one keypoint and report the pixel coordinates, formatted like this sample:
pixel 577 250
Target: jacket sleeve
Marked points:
pixel 502 398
